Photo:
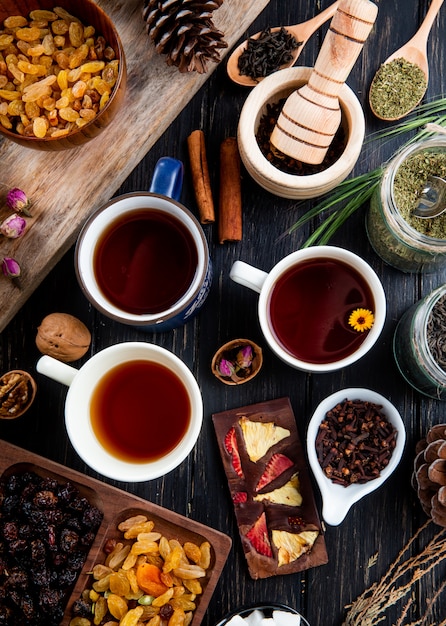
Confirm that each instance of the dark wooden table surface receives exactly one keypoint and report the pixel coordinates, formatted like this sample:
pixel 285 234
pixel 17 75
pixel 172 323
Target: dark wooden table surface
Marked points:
pixel 379 525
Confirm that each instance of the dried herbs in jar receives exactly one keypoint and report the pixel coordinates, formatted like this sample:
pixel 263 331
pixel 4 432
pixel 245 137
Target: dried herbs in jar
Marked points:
pixel 419 344
pixel 407 242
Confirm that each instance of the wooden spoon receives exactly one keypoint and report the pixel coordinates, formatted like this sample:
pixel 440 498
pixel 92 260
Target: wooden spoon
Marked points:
pixel 414 51
pixel 301 32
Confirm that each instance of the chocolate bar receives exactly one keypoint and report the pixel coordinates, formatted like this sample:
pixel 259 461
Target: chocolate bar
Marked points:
pixel 270 487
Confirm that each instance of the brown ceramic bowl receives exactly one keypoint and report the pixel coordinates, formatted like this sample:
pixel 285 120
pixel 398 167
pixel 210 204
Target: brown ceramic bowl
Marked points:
pixel 90 14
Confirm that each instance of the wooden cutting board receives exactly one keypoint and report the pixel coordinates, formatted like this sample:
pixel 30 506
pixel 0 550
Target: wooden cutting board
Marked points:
pixel 66 187
pixel 117 505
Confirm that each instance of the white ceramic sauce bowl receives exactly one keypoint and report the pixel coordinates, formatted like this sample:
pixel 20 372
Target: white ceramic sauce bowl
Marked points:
pixel 337 499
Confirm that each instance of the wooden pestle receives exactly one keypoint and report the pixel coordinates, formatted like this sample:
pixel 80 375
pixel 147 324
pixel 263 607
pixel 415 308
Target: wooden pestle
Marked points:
pixel 311 115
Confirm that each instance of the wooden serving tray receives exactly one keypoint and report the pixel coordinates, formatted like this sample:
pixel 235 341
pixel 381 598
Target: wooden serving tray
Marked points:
pixel 65 187
pixel 118 505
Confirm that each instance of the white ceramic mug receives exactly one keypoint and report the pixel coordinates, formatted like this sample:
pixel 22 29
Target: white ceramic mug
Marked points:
pixel 82 384
pixel 264 283
pixel 165 190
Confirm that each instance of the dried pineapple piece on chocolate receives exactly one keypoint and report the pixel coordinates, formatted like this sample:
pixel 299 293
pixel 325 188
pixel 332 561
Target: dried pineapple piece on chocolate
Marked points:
pixel 291 546
pixel 261 436
pixel 288 494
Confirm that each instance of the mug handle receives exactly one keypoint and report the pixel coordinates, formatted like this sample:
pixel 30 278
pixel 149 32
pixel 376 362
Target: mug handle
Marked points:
pixel 247 275
pixel 58 371
pixel 167 178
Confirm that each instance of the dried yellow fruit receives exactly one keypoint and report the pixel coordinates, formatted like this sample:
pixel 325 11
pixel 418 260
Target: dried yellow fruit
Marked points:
pixel 178 569
pixel 45 56
pixel 15 21
pixel 100 610
pixel 80 621
pixel 132 617
pixel 117 606
pixel 27 34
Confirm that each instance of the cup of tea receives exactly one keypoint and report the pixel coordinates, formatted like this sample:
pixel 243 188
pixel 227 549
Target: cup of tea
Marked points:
pixel 133 411
pixel 320 308
pixel 142 259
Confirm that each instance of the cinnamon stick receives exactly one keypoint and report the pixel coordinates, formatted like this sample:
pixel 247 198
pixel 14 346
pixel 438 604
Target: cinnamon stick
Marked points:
pixel 200 176
pixel 230 198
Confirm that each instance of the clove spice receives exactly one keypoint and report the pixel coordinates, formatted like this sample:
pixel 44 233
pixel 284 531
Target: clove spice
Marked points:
pixel 355 442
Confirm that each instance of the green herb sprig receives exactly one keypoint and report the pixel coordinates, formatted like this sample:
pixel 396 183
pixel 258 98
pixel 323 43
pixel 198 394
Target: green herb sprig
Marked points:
pixel 353 193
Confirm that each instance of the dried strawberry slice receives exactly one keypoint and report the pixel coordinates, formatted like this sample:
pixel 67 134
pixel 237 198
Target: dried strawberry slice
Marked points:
pixel 277 464
pixel 240 497
pixel 258 537
pixel 232 449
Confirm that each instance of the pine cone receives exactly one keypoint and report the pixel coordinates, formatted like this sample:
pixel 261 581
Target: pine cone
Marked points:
pixel 183 30
pixel 429 477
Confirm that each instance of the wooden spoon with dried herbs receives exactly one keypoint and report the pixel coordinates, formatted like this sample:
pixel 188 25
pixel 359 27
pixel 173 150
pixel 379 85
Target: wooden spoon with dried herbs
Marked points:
pixel 273 49
pixel 401 81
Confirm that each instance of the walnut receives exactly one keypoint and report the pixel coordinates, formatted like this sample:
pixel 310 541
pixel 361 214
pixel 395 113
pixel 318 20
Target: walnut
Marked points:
pixel 63 337
pixel 17 393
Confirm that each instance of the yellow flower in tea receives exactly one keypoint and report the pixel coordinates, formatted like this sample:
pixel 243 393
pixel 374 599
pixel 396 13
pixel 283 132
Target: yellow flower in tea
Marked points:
pixel 361 319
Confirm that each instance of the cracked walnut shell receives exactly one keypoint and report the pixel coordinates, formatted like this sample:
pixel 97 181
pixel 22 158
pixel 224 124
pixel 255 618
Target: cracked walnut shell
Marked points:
pixel 429 476
pixel 63 337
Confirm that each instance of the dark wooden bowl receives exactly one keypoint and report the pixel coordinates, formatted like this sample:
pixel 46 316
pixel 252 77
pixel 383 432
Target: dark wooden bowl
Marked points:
pixel 90 14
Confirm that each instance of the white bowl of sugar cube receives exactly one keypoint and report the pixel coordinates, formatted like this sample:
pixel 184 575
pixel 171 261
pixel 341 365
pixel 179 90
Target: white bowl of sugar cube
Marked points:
pixel 265 615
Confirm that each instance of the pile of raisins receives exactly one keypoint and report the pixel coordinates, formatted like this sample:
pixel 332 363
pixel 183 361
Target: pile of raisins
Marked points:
pixel 46 531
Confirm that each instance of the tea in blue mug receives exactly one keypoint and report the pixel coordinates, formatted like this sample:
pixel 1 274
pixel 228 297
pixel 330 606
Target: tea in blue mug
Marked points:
pixel 142 259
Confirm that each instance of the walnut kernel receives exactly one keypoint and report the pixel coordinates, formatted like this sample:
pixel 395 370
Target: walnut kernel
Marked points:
pixel 63 337
pixel 17 392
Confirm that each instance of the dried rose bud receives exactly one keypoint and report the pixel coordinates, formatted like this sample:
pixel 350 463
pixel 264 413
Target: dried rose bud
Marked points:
pixel 17 200
pixel 13 226
pixel 244 357
pixel 226 368
pixel 10 267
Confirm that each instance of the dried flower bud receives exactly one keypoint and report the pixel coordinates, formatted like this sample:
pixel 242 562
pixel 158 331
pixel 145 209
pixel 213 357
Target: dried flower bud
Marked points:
pixel 17 200
pixel 244 357
pixel 10 267
pixel 13 226
pixel 226 368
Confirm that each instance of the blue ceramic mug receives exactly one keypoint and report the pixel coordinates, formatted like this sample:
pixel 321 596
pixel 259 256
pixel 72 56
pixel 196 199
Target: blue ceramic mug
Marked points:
pixel 142 259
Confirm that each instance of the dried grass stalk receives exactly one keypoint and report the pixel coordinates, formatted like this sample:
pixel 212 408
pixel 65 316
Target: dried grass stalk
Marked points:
pixel 370 607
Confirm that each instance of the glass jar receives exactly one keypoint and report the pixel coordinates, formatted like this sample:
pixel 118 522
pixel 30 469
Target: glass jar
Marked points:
pixel 391 236
pixel 411 350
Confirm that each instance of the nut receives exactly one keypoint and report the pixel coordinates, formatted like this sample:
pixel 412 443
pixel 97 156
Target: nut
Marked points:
pixel 63 337
pixel 17 393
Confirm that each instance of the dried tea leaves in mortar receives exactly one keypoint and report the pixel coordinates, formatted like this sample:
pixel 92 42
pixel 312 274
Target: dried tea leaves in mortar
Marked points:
pixel 409 182
pixel 397 88
pixel 284 162
pixel 436 333
pixel 266 53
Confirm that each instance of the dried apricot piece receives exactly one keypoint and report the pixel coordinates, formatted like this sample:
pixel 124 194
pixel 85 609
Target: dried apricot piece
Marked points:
pixel 149 579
